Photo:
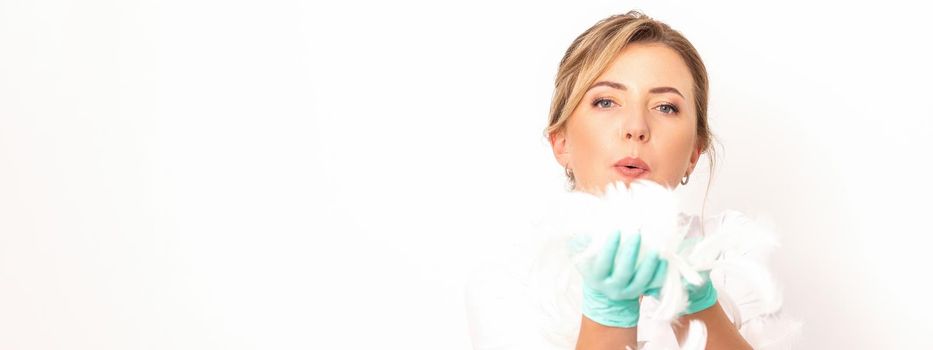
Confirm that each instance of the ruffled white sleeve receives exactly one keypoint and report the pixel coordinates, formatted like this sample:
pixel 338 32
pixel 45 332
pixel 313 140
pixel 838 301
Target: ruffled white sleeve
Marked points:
pixel 746 290
pixel 504 299
pixel 500 314
pixel 749 294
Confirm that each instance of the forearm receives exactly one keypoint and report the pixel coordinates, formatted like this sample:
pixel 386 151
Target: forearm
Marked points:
pixel 594 336
pixel 721 333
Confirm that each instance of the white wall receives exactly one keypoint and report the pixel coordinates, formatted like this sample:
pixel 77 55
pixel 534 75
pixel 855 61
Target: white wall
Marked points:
pixel 236 175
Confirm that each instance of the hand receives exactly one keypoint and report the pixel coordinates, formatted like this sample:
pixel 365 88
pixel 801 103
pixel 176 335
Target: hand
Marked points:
pixel 699 297
pixel 614 280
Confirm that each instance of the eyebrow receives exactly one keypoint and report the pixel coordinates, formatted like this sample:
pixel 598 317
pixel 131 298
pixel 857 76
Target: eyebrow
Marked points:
pixel 619 86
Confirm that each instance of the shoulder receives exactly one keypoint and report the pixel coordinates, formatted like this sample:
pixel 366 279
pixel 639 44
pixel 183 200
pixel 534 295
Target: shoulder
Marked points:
pixel 750 236
pixel 518 299
pixel 500 315
pixel 494 289
pixel 731 219
pixel 491 280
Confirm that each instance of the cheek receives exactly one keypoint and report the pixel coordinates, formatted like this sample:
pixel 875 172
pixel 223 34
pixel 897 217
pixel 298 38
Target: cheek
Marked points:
pixel 591 145
pixel 676 149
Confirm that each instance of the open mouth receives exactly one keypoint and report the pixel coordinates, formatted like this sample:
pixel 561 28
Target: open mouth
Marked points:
pixel 630 171
pixel 631 167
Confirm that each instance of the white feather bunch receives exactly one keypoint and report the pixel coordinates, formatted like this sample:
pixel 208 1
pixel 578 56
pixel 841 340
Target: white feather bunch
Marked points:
pixel 733 245
pixel 643 207
pixel 646 207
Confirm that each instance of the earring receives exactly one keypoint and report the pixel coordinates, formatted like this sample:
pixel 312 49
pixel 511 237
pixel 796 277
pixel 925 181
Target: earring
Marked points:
pixel 685 179
pixel 569 172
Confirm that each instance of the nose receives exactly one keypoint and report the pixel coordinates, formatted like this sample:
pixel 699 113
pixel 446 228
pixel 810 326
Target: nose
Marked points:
pixel 635 128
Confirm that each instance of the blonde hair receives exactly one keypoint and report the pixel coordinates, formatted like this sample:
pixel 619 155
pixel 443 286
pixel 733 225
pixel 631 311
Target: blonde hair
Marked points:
pixel 592 52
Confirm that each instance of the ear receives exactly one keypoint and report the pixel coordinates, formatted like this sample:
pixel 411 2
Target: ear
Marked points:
pixel 694 158
pixel 560 148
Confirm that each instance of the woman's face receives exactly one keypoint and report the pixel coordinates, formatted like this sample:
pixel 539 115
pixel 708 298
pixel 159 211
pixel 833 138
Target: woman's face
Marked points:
pixel 641 107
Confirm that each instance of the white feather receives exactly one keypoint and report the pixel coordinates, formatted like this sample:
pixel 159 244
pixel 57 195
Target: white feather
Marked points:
pixel 696 336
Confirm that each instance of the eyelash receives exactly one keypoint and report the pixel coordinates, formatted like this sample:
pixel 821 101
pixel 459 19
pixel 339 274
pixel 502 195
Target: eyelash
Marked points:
pixel 674 109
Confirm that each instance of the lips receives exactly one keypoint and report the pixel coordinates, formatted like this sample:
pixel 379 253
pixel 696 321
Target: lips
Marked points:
pixel 632 167
pixel 630 162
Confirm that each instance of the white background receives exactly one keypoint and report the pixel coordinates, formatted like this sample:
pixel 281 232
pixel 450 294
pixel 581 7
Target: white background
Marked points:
pixel 295 175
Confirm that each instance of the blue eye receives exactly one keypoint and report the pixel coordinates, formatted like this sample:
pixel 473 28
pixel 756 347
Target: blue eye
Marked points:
pixel 602 103
pixel 668 109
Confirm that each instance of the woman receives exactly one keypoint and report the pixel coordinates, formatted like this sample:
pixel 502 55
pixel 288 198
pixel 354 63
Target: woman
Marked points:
pixel 630 103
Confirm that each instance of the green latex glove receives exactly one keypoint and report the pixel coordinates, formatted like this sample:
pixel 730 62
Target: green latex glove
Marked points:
pixel 699 298
pixel 614 280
